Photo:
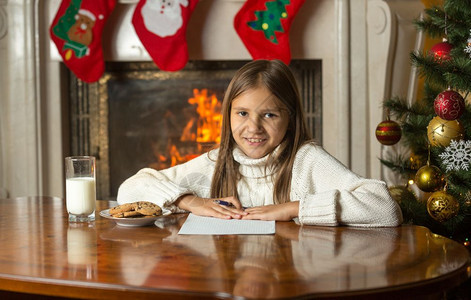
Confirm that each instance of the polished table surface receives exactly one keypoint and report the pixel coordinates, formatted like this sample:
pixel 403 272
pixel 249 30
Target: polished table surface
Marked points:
pixel 42 253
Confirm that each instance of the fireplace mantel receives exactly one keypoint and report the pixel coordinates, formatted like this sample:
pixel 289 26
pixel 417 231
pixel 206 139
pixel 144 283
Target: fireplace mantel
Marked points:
pixel 364 46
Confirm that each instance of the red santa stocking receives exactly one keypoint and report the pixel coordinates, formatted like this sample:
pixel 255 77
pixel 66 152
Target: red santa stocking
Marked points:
pixel 161 27
pixel 263 26
pixel 76 31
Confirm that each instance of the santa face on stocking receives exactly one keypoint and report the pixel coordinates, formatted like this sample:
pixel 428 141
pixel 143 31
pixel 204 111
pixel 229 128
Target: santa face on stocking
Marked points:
pixel 163 17
pixel 81 31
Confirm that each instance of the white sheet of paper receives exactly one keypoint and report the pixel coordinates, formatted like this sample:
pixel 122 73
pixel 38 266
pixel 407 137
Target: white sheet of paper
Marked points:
pixel 214 226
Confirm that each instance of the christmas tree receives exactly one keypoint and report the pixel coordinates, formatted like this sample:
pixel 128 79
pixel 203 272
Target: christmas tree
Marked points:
pixel 436 129
pixel 270 20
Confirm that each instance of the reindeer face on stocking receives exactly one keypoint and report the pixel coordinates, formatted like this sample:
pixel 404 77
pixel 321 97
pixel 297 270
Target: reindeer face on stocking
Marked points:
pixel 76 30
pixel 81 31
pixel 163 17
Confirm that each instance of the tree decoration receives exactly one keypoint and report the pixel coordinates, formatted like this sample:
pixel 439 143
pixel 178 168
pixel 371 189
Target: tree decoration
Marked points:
pixel 467 243
pixel 440 132
pixel 467 49
pixel 449 105
pixel 388 132
pixel 429 178
pixel 441 51
pixel 400 193
pixel 467 199
pixel 416 161
pixel 457 156
pixel 442 206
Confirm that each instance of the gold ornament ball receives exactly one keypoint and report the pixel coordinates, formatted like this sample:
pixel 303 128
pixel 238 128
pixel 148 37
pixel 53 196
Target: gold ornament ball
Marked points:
pixel 440 132
pixel 429 179
pixel 442 206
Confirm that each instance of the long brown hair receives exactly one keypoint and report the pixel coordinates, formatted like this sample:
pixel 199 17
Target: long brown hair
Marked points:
pixel 277 78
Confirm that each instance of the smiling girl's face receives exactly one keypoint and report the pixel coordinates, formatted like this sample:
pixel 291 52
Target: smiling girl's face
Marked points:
pixel 258 122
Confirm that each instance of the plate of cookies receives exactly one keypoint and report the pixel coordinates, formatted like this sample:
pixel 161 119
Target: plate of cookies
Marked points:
pixel 140 213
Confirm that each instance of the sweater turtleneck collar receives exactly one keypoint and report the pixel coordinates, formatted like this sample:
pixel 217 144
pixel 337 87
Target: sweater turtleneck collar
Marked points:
pixel 253 167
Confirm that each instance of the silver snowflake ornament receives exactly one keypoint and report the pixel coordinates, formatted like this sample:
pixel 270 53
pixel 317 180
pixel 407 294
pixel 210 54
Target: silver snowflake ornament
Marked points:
pixel 457 156
pixel 467 49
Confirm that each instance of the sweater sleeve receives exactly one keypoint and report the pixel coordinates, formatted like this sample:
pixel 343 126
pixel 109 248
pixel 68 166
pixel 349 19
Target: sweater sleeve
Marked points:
pixel 330 194
pixel 166 186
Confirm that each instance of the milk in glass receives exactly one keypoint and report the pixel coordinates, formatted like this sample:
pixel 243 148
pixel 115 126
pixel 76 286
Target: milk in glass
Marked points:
pixel 80 195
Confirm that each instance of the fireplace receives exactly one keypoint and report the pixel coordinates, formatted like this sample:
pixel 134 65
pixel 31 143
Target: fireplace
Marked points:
pixel 137 116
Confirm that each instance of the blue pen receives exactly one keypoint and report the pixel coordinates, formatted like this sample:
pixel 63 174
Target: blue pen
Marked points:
pixel 225 203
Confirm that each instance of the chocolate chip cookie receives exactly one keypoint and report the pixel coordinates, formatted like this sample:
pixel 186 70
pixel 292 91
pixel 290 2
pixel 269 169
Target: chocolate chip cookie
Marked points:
pixel 135 209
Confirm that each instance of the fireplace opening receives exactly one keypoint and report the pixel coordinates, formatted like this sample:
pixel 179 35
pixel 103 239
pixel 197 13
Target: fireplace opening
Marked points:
pixel 137 116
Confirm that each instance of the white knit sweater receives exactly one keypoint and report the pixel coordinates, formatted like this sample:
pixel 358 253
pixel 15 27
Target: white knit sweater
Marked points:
pixel 328 193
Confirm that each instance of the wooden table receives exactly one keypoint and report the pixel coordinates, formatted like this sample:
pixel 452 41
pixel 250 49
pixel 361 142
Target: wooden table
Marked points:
pixel 42 254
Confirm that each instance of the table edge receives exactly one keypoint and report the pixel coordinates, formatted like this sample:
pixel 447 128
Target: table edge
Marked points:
pixel 80 289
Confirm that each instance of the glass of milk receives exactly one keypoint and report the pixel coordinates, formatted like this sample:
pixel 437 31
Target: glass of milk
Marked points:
pixel 80 188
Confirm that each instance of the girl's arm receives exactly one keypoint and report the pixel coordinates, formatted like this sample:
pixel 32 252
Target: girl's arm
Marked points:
pixel 166 186
pixel 331 194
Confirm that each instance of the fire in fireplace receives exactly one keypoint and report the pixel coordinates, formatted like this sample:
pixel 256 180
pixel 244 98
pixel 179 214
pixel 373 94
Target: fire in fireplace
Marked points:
pixel 200 133
pixel 137 116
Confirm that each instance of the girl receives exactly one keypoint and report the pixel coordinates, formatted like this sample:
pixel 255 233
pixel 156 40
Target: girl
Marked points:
pixel 267 162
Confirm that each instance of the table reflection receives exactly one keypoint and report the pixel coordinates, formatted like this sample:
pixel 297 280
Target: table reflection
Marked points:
pixel 255 266
pixel 356 258
pixel 136 254
pixel 82 251
pixel 157 259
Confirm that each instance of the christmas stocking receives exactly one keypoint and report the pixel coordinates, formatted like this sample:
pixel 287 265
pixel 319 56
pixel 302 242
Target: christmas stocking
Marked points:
pixel 76 32
pixel 161 27
pixel 263 26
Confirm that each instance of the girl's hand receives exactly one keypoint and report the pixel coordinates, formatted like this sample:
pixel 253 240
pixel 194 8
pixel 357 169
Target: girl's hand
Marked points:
pixel 208 207
pixel 278 212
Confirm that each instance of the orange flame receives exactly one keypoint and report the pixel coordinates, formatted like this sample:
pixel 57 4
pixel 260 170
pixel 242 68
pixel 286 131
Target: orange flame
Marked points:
pixel 208 132
pixel 209 117
pixel 207 123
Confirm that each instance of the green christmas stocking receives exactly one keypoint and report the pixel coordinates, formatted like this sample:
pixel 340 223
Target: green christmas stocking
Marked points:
pixel 76 31
pixel 263 26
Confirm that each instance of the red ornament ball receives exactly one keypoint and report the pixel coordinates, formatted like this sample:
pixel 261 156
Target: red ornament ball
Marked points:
pixel 449 105
pixel 441 51
pixel 388 132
